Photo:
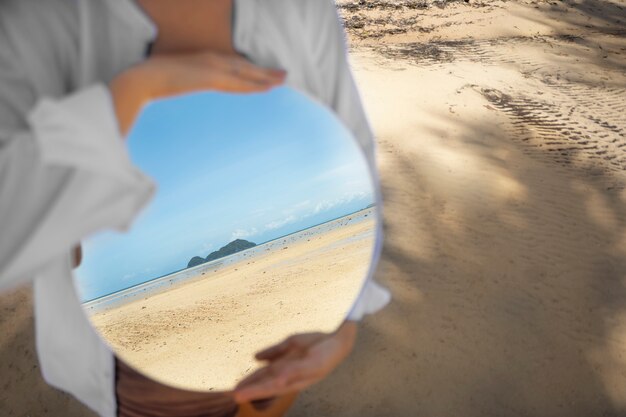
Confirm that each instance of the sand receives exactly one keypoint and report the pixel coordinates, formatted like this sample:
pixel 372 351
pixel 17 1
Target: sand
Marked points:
pixel 203 333
pixel 501 148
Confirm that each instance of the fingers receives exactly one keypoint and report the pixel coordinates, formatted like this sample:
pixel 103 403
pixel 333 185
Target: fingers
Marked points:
pixel 296 363
pixel 296 342
pixel 275 351
pixel 263 384
pixel 229 82
pixel 170 75
pixel 279 378
pixel 243 76
pixel 234 74
pixel 268 385
pixel 240 67
pixel 253 387
pixel 253 378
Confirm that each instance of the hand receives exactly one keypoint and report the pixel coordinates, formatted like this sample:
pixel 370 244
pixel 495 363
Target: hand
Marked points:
pixel 164 76
pixel 297 363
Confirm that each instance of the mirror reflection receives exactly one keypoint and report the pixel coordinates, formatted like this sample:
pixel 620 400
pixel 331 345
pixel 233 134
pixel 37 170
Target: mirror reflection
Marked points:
pixel 263 225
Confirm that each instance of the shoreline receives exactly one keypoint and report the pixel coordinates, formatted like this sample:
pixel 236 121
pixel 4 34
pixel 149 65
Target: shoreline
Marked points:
pixel 188 275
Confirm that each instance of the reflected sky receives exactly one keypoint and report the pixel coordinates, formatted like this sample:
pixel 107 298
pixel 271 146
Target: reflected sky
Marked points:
pixel 254 167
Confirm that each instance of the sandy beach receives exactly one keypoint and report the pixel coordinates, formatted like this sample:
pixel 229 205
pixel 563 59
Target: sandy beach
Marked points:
pixel 502 149
pixel 501 130
pixel 203 333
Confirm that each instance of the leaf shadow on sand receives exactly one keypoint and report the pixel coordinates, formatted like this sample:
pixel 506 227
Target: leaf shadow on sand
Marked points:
pixel 505 252
pixel 502 306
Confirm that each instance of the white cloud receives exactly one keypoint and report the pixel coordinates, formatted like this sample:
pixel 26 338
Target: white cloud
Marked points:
pixel 325 205
pixel 243 233
pixel 297 207
pixel 280 223
pixel 295 212
pixel 346 198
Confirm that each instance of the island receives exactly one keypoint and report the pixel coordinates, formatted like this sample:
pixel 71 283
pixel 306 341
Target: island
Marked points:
pixel 233 247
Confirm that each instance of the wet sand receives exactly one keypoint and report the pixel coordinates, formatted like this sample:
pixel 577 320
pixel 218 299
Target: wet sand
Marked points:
pixel 203 334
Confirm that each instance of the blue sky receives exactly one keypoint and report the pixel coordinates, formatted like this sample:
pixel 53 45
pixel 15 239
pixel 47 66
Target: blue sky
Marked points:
pixel 227 166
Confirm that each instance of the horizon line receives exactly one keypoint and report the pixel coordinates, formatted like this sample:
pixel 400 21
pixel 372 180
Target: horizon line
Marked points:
pixel 255 245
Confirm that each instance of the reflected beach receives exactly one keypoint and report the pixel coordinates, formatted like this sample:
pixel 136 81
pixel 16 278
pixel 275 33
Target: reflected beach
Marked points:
pixel 264 225
pixel 180 326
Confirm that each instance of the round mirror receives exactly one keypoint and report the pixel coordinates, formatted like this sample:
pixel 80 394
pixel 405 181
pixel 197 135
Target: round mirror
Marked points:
pixel 263 225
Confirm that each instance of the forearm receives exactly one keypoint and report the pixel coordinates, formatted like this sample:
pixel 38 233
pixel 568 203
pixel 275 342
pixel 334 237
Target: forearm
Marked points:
pixel 67 176
pixel 128 95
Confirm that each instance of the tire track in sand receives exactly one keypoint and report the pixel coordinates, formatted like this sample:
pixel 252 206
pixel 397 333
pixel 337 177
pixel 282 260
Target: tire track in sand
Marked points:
pixel 573 121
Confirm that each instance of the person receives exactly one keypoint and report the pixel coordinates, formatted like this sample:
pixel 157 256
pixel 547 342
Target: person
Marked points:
pixel 74 74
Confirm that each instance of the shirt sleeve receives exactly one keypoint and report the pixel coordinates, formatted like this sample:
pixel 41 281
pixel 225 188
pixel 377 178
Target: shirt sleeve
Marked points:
pixel 63 175
pixel 341 94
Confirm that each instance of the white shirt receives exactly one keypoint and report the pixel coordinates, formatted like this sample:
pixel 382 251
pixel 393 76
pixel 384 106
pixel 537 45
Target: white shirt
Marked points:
pixel 64 169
